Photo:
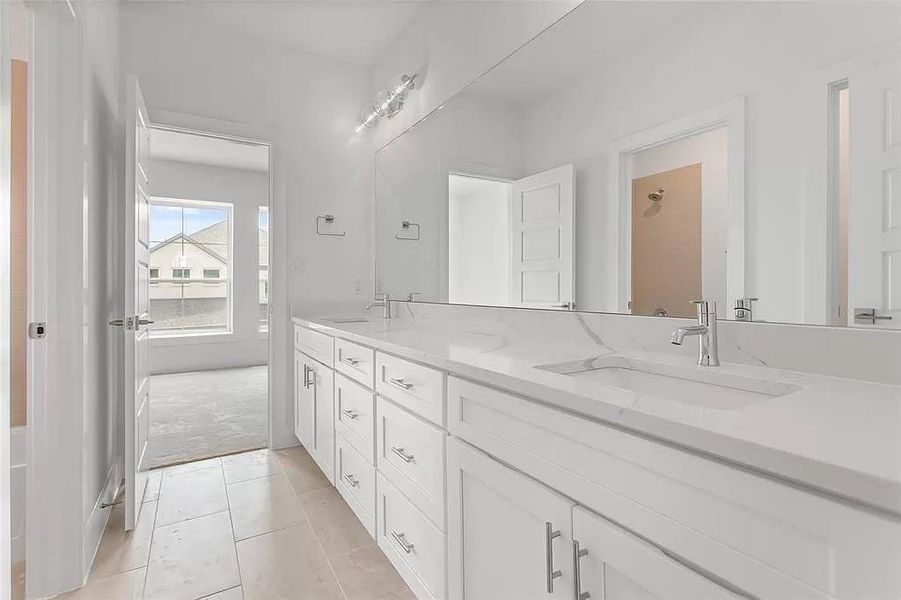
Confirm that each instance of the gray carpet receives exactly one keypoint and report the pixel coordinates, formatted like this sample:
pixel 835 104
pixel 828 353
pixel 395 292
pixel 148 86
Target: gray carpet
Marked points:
pixel 207 413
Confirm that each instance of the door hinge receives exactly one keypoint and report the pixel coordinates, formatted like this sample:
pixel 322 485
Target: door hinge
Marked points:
pixel 37 330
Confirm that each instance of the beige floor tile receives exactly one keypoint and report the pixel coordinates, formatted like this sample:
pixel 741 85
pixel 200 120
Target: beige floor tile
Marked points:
pixel 197 465
pixel 191 494
pixel 250 465
pixel 120 551
pixel 287 564
pixel 192 559
pixel 152 491
pixel 234 593
pixel 263 505
pixel 335 524
pixel 301 469
pixel 366 574
pixel 123 586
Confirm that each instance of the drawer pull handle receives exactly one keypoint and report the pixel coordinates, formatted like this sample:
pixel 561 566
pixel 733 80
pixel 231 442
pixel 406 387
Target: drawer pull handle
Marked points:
pixel 550 534
pixel 307 371
pixel 399 382
pixel 350 414
pixel 351 480
pixel 402 542
pixel 347 360
pixel 578 553
pixel 408 458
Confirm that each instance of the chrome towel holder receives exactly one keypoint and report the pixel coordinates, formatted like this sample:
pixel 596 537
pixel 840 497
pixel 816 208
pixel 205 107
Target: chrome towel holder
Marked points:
pixel 408 226
pixel 329 219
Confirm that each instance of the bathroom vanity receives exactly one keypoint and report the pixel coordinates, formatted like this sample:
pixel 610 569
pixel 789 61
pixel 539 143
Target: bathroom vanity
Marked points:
pixel 535 466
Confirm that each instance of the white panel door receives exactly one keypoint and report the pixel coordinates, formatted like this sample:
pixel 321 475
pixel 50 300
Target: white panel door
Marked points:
pixel 541 240
pixel 137 302
pixel 508 535
pixel 613 564
pixel 874 205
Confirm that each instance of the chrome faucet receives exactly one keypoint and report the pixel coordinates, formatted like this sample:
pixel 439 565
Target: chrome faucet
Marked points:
pixel 383 300
pixel 708 353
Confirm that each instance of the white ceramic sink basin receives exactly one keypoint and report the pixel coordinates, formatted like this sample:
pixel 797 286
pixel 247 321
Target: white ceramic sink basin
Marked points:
pixel 700 386
pixel 347 320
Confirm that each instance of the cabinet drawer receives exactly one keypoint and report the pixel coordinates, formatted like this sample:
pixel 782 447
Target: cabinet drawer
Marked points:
pixel 757 533
pixel 355 415
pixel 414 546
pixel 411 453
pixel 315 344
pixel 415 387
pixel 355 361
pixel 355 479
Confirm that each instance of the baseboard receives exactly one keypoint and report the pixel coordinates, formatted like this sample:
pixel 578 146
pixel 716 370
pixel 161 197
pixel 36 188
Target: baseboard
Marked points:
pixel 96 523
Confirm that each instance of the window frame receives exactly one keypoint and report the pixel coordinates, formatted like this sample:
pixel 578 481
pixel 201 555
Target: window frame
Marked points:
pixel 216 277
pixel 263 327
pixel 228 331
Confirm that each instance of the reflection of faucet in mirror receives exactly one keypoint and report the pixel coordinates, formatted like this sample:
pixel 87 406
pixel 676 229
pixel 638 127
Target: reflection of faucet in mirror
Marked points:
pixel 743 309
pixel 708 353
pixel 383 300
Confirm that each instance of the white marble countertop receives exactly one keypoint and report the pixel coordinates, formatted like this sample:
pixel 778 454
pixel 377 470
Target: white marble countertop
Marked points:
pixel 842 436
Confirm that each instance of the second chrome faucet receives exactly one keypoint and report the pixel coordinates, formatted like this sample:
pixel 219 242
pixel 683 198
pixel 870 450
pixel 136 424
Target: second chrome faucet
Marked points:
pixel 708 351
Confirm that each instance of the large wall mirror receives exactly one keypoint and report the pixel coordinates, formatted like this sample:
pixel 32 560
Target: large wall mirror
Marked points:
pixel 639 155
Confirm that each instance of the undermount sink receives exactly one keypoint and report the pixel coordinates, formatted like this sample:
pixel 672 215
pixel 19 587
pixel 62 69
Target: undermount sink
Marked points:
pixel 700 386
pixel 347 320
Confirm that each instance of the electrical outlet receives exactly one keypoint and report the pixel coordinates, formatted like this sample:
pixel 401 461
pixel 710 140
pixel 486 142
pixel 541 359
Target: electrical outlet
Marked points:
pixel 298 263
pixel 358 287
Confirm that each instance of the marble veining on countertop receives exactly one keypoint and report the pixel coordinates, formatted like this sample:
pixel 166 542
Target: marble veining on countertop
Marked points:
pixel 839 435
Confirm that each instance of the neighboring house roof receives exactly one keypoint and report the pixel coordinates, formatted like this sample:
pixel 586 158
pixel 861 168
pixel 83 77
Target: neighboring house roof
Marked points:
pixel 206 237
pixel 214 237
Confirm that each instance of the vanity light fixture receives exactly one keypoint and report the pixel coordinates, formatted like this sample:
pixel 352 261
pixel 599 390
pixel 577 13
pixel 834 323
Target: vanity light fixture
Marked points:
pixel 388 103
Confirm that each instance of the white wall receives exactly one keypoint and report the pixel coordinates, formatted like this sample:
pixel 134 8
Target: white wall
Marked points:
pixel 478 255
pixel 103 183
pixel 449 44
pixel 711 150
pixel 473 136
pixel 246 191
pixel 714 57
pixel 307 106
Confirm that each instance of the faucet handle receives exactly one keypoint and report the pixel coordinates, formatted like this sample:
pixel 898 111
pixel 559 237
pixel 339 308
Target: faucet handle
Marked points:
pixel 705 307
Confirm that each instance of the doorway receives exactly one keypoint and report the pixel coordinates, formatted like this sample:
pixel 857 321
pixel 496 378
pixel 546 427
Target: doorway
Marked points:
pixel 208 291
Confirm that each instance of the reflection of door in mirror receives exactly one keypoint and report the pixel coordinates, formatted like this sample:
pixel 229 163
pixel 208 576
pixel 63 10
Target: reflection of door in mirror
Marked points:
pixel 874 205
pixel 541 265
pixel 666 242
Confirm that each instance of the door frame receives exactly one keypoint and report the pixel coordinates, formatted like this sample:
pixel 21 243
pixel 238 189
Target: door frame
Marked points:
pixel 5 302
pixel 277 371
pixel 731 115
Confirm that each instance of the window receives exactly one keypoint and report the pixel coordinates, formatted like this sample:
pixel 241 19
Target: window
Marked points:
pixel 263 234
pixel 192 243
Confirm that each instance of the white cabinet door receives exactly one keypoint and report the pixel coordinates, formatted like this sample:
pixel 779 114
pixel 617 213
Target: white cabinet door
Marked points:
pixel 616 565
pixel 303 395
pixel 322 436
pixel 541 236
pixel 508 535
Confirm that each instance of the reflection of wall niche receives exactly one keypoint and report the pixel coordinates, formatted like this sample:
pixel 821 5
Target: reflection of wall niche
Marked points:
pixel 666 242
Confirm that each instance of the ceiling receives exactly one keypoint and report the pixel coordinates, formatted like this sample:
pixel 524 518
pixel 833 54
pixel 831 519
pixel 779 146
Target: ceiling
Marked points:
pixel 205 150
pixel 354 31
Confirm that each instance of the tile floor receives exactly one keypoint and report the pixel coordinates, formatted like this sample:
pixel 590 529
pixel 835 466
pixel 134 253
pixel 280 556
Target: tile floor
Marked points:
pixel 258 525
